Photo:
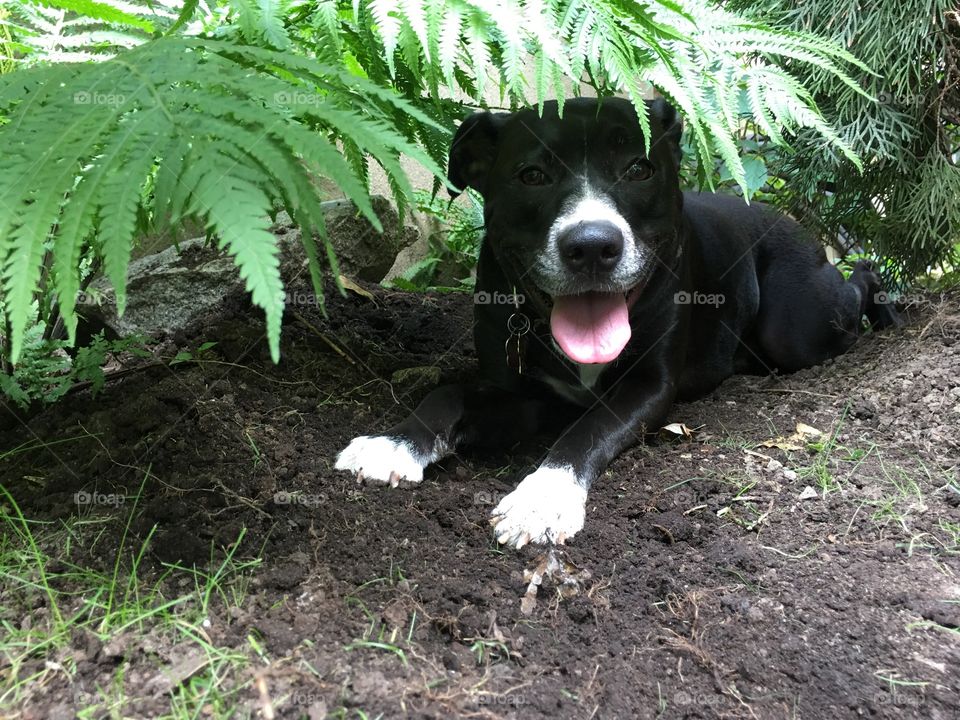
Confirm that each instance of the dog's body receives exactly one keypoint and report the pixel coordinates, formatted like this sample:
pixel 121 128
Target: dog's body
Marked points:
pixel 623 294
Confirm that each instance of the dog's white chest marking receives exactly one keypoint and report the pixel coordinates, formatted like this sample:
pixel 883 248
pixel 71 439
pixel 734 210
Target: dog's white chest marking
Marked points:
pixel 583 392
pixel 590 374
pixel 549 505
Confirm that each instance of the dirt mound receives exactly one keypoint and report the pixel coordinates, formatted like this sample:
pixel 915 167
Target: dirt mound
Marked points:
pixel 727 576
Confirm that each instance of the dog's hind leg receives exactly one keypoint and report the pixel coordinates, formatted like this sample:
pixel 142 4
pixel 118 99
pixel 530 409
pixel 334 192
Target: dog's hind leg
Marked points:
pixel 877 305
pixel 447 417
pixel 810 313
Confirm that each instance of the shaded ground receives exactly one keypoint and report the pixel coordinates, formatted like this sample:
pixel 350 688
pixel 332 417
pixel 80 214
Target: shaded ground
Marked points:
pixel 708 588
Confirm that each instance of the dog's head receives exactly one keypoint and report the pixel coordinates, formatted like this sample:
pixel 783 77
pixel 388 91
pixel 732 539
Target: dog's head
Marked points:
pixel 576 211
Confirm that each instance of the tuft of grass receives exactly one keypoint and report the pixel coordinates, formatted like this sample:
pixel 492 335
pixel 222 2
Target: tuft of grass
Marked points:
pixel 820 471
pixel 50 599
pixel 377 635
pixel 488 651
pixel 380 645
pixel 902 499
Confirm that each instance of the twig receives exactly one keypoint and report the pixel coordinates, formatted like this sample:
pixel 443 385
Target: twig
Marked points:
pixel 323 337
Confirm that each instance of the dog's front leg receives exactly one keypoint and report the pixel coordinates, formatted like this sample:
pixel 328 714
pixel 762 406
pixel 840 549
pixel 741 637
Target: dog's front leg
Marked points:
pixel 402 452
pixel 549 505
pixel 447 417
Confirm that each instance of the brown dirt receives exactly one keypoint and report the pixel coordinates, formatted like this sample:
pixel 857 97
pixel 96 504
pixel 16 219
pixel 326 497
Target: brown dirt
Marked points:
pixel 713 590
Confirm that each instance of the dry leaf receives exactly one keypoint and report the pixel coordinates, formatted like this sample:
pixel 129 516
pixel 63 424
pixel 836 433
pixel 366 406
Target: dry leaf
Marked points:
pixel 677 430
pixel 806 431
pixel 349 284
pixel 798 441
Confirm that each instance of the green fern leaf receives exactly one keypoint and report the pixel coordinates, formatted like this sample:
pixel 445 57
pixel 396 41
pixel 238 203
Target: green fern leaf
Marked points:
pixel 272 13
pixel 22 264
pixel 476 35
pixel 388 27
pixel 100 11
pixel 80 210
pixel 416 16
pixel 237 212
pixel 449 42
pixel 326 21
pixel 118 216
pixel 166 214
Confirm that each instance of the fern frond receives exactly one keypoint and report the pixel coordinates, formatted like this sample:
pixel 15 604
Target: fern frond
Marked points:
pixel 22 263
pixel 479 51
pixel 449 42
pixel 388 28
pixel 118 216
pixel 272 13
pixel 99 188
pixel 100 11
pixel 513 48
pixel 416 16
pixel 701 55
pixel 79 30
pixel 236 211
pixel 220 131
pixel 326 22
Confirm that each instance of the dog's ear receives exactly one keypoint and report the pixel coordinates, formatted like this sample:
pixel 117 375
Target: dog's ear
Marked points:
pixel 473 151
pixel 670 124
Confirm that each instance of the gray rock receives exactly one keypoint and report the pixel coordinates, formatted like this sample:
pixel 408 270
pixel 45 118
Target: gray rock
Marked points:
pixel 171 290
pixel 365 254
pixel 165 291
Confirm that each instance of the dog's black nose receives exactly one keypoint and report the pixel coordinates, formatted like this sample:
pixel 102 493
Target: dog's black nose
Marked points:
pixel 591 247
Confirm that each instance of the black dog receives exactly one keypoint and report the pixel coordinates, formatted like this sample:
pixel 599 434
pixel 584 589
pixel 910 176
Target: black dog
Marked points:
pixel 605 289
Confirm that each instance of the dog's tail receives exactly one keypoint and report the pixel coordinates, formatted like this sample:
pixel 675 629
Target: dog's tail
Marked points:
pixel 875 302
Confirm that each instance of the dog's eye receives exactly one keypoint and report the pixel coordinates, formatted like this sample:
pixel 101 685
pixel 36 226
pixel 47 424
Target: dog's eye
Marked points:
pixel 639 170
pixel 534 176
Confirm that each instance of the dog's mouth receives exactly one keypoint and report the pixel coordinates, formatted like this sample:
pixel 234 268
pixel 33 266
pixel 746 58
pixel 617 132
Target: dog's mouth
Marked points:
pixel 589 319
pixel 593 327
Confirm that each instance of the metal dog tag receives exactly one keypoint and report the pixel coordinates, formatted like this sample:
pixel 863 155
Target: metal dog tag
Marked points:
pixel 518 325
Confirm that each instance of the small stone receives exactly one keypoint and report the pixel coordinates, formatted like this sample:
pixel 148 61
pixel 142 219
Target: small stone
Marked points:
pixel 790 475
pixel 808 494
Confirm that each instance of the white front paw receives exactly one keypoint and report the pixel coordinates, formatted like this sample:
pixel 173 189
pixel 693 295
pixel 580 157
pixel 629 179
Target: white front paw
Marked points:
pixel 547 506
pixel 381 458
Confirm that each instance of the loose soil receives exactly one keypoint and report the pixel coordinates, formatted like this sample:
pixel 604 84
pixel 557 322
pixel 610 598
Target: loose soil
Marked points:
pixel 717 577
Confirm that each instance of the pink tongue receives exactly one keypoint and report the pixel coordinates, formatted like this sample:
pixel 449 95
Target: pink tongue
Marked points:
pixel 591 328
